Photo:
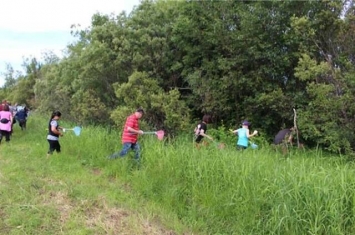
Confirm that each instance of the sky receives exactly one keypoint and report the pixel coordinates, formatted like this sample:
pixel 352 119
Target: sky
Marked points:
pixel 28 28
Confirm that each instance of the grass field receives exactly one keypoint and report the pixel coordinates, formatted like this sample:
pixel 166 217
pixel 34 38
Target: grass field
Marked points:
pixel 176 190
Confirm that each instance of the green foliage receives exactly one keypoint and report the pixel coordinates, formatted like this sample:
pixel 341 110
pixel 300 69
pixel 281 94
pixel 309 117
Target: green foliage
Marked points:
pixel 309 70
pixel 171 111
pixel 163 110
pixel 9 77
pixel 21 93
pixel 87 108
pixel 325 120
pixel 19 88
pixel 278 103
pixel 222 134
pixel 137 91
pixel 50 94
pixel 120 114
pixel 236 60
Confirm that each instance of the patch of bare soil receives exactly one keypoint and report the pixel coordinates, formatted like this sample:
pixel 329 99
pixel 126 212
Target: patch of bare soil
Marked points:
pixel 99 216
pixel 96 171
pixel 63 204
pixel 104 219
pixel 122 221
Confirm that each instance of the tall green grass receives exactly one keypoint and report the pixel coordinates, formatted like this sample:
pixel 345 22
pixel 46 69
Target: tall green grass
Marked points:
pixel 205 191
pixel 251 192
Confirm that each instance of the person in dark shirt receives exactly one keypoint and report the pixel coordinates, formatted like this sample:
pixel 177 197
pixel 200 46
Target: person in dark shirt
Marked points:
pixel 54 133
pixel 201 130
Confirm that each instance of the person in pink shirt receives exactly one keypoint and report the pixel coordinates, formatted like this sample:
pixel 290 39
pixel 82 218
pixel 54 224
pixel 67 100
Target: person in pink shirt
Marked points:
pixel 2 105
pixel 130 136
pixel 5 123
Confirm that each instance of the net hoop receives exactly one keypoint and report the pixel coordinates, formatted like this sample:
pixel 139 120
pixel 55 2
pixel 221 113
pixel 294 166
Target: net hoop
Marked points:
pixel 160 134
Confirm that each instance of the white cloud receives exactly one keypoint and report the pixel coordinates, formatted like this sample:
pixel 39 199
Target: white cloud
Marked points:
pixel 55 15
pixel 30 27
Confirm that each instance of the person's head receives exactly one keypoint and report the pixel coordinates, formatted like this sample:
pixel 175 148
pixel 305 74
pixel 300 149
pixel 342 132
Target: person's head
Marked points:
pixel 207 118
pixel 246 124
pixel 6 107
pixel 56 115
pixel 139 113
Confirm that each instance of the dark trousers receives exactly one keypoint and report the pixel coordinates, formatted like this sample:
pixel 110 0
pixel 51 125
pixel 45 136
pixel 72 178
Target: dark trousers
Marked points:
pixel 241 147
pixel 6 134
pixel 22 123
pixel 53 145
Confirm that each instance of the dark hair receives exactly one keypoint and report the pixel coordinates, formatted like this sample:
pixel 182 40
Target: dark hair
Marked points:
pixel 6 107
pixel 207 118
pixel 140 110
pixel 56 113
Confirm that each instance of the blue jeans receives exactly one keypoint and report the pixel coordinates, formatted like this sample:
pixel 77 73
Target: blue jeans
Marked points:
pixel 126 146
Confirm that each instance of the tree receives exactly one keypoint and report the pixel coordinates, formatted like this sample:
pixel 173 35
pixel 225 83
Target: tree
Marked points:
pixel 163 110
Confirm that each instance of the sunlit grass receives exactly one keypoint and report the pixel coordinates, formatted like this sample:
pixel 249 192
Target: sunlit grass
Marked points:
pixel 176 187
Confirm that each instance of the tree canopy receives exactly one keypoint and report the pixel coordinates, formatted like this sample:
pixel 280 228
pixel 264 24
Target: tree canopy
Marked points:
pixel 235 60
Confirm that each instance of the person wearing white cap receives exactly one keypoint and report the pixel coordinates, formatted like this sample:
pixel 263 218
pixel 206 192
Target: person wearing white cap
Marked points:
pixel 244 135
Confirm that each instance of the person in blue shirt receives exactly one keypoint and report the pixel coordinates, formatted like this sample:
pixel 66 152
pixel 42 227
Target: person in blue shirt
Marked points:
pixel 244 135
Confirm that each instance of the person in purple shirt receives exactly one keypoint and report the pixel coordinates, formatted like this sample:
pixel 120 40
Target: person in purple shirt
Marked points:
pixel 284 136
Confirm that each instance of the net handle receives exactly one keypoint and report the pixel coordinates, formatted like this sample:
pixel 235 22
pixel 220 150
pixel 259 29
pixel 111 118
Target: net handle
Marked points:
pixel 160 134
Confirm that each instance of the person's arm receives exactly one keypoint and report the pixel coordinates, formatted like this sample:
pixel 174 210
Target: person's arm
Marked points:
pixel 130 129
pixel 290 138
pixel 130 124
pixel 55 131
pixel 254 133
pixel 202 133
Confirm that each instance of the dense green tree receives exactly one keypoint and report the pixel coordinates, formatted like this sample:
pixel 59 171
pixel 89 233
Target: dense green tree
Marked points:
pixel 327 117
pixel 163 110
pixel 9 77
pixel 236 60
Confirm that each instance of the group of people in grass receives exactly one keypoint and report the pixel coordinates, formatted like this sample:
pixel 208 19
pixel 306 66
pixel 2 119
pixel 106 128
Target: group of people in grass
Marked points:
pixel 129 135
pixel 131 131
pixel 9 115
pixel 243 133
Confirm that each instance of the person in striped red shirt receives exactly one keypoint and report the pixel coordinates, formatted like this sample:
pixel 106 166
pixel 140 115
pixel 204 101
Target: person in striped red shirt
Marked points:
pixel 130 135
